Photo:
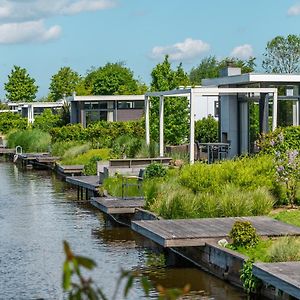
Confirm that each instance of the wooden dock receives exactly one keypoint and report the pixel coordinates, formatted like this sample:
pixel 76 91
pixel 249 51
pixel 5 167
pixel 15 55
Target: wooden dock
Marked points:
pixel 197 232
pixel 70 170
pixel 86 182
pixel 7 151
pixel 117 206
pixel 284 276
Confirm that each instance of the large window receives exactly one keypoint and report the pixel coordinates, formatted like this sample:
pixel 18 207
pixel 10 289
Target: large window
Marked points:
pixel 95 116
pixel 130 104
pixel 95 105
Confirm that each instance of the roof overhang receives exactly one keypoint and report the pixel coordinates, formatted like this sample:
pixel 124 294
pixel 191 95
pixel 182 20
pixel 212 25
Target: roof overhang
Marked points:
pixel 248 78
pixel 108 98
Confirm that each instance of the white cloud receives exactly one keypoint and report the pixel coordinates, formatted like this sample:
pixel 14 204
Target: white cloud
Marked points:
pixel 34 31
pixel 21 21
pixel 242 52
pixel 88 5
pixel 186 50
pixel 294 10
pixel 19 11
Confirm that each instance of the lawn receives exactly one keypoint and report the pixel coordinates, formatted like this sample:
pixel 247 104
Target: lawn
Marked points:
pixel 290 216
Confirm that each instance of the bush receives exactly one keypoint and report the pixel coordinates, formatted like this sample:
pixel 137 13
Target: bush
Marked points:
pixel 33 140
pixel 207 130
pixel 282 139
pixel 10 121
pixel 243 234
pixel 247 173
pixel 285 249
pixel 126 146
pixel 47 120
pixel 100 134
pixel 59 148
pixel 155 170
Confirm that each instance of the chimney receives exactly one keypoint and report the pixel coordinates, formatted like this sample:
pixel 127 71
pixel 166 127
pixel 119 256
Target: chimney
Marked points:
pixel 230 70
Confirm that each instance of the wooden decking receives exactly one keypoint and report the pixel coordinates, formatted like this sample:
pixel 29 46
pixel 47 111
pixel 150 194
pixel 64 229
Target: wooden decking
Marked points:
pixel 68 170
pixel 284 276
pixel 117 206
pixel 196 232
pixel 7 151
pixel 86 182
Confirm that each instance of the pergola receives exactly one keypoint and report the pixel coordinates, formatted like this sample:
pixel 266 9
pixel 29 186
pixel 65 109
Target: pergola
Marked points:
pixel 191 93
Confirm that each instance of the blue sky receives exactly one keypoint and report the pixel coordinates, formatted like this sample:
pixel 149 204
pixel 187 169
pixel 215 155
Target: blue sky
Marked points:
pixel 44 35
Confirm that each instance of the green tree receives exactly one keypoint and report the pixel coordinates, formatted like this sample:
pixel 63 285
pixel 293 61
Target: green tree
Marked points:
pixel 282 55
pixel 206 130
pixel 64 82
pixel 113 79
pixel 176 111
pixel 210 67
pixel 20 86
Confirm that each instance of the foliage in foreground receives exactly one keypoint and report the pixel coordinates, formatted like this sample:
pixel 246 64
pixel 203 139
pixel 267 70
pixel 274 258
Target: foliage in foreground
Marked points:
pixel 80 287
pixel 31 140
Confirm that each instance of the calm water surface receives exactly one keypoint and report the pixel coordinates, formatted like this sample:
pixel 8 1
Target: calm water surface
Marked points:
pixel 38 211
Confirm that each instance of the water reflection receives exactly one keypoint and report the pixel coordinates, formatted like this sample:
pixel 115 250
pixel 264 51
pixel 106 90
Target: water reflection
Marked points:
pixel 38 211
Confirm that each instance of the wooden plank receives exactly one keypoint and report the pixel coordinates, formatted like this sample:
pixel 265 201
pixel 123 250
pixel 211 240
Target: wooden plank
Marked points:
pixel 178 232
pixel 88 182
pixel 117 206
pixel 284 276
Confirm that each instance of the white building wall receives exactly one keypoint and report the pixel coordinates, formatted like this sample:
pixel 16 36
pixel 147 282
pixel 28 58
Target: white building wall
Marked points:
pixel 204 106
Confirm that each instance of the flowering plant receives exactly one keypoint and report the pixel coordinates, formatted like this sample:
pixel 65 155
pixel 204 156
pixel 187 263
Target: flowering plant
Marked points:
pixel 287 166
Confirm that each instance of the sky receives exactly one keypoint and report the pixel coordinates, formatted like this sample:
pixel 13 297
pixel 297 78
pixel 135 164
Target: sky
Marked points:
pixel 45 35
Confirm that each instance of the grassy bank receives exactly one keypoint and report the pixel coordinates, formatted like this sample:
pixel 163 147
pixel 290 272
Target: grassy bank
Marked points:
pixel 241 187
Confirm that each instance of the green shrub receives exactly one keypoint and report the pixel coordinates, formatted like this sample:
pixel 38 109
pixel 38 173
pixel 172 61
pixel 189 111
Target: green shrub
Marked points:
pixel 207 130
pixel 250 282
pixel 33 140
pixel 47 120
pixel 10 121
pixel 127 146
pixel 285 249
pixel 282 139
pixel 59 148
pixel 81 155
pixel 243 234
pixel 72 152
pixel 155 170
pixel 100 134
pixel 91 167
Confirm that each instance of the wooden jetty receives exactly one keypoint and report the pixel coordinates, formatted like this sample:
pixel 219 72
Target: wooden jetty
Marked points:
pixel 197 232
pixel 284 276
pixel 117 206
pixel 7 151
pixel 70 170
pixel 87 182
pixel 84 183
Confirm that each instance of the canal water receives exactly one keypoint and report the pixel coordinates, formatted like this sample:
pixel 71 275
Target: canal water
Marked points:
pixel 38 211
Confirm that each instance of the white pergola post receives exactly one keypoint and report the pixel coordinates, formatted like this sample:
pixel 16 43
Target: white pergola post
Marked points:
pixel 147 119
pixel 192 129
pixel 274 118
pixel 161 126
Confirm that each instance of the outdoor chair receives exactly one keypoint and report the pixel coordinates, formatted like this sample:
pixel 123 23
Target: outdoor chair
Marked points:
pixel 127 183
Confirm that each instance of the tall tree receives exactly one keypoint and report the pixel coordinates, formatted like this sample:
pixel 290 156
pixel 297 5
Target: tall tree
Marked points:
pixel 176 112
pixel 113 79
pixel 64 82
pixel 20 86
pixel 210 67
pixel 282 55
